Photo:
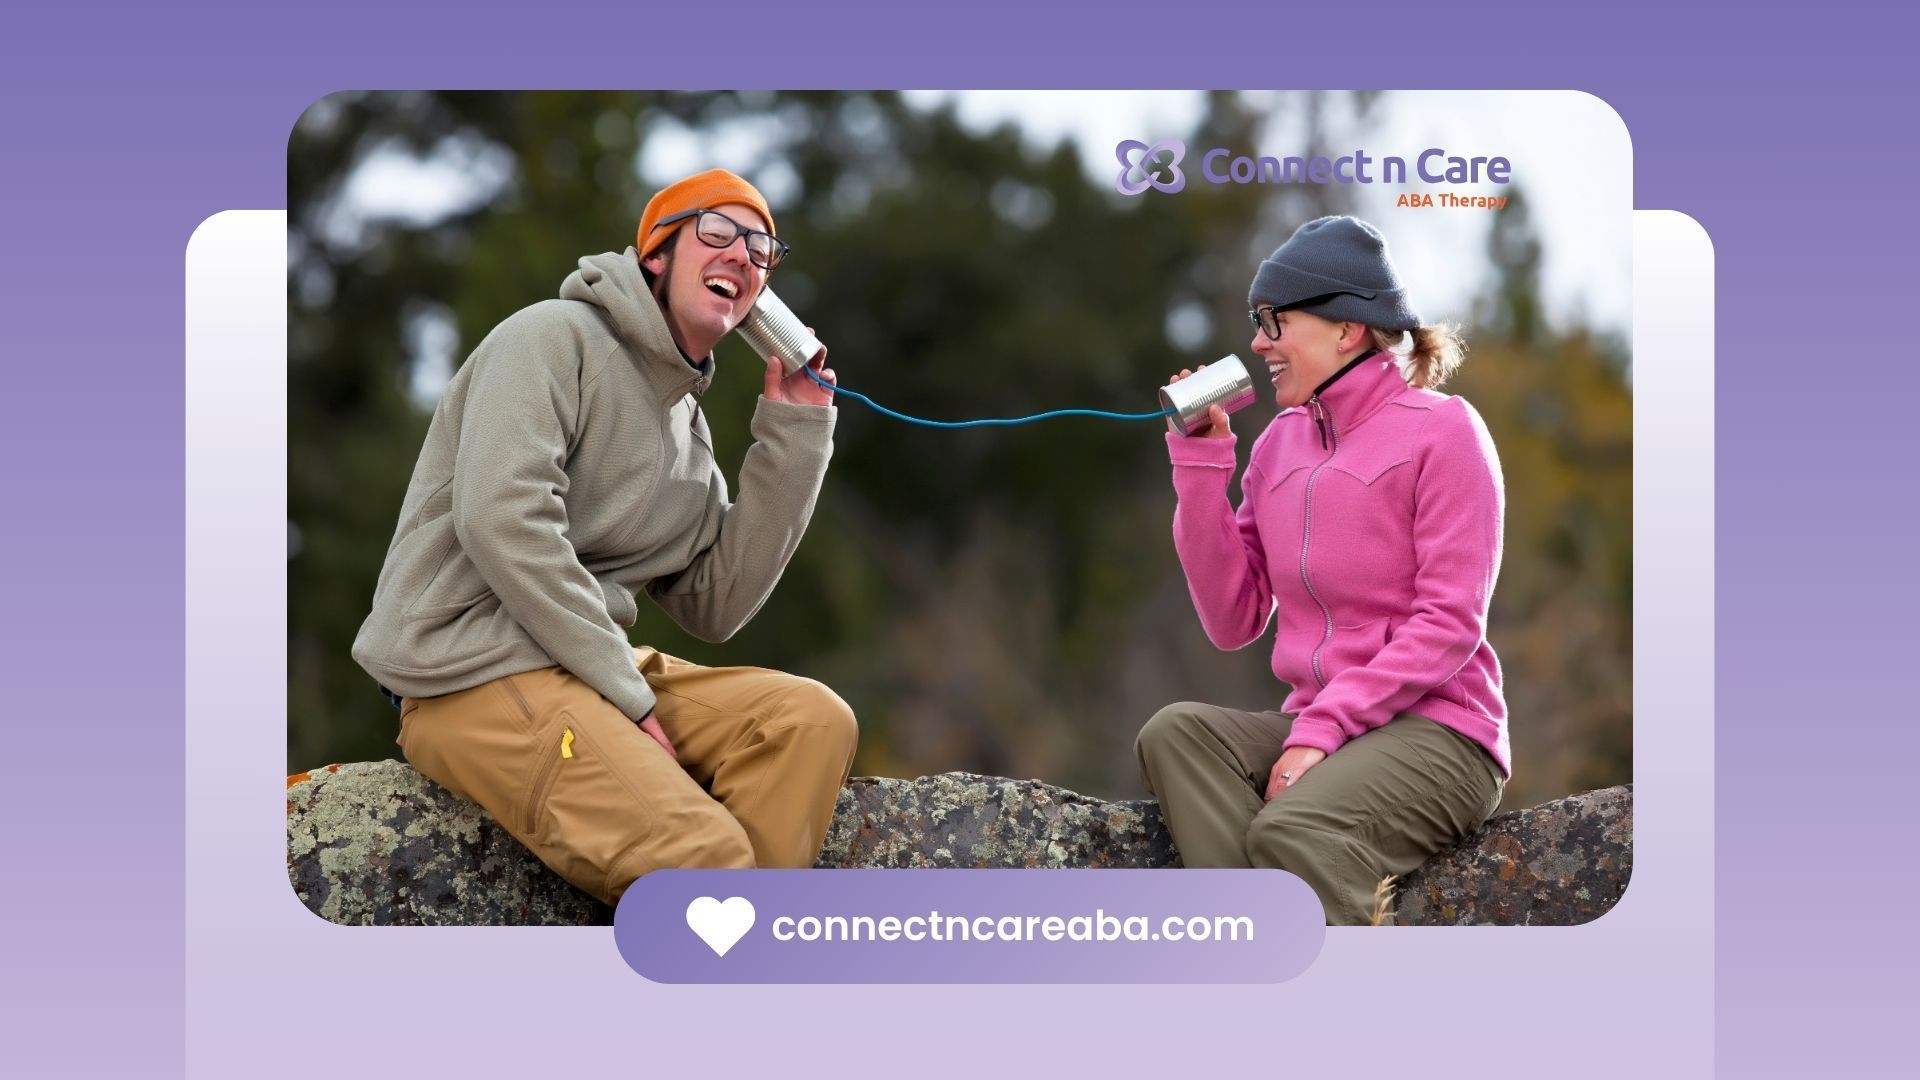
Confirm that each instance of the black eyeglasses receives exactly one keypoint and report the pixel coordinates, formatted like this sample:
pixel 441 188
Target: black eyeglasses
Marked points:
pixel 716 229
pixel 1266 319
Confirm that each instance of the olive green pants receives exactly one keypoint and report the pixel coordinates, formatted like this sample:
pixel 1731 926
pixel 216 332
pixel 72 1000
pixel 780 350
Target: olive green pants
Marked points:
pixel 1377 807
pixel 762 758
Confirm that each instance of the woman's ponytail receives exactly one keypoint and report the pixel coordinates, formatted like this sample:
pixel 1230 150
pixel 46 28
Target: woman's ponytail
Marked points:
pixel 1431 358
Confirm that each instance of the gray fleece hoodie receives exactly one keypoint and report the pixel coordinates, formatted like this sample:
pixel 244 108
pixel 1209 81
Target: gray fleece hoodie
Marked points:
pixel 567 466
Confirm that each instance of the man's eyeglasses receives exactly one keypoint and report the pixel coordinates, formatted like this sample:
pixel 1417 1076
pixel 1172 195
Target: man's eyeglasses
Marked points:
pixel 1266 319
pixel 716 229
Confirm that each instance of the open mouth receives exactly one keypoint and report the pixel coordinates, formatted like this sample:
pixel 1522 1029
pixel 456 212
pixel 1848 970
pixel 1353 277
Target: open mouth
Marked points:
pixel 1274 371
pixel 722 287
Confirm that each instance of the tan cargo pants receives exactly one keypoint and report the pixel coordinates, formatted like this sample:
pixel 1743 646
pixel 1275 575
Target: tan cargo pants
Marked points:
pixel 763 756
pixel 1378 806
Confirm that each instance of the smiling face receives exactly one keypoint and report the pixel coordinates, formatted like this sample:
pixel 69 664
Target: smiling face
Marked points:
pixel 1309 351
pixel 705 291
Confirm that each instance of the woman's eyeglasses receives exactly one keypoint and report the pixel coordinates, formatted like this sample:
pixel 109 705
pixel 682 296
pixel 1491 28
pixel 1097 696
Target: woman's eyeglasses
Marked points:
pixel 717 230
pixel 1266 319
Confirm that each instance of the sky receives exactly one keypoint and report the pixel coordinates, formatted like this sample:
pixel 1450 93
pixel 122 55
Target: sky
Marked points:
pixel 1570 154
pixel 1569 151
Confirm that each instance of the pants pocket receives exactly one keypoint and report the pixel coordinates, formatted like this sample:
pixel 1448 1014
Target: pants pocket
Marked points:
pixel 554 751
pixel 584 811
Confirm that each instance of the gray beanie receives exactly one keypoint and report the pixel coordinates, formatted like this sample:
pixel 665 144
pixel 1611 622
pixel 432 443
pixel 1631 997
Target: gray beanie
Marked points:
pixel 1336 268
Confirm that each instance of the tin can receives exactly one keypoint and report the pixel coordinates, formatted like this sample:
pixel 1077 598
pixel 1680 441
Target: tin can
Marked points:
pixel 774 330
pixel 1224 382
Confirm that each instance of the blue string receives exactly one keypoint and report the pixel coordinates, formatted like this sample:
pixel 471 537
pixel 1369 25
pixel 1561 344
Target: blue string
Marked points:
pixel 877 407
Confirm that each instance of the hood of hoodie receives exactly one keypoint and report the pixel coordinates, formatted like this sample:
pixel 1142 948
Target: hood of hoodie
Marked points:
pixel 612 282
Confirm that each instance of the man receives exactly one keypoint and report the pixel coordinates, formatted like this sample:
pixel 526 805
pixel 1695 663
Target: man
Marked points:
pixel 567 466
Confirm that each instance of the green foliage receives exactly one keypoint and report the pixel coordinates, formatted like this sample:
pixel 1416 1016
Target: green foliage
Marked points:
pixel 1003 600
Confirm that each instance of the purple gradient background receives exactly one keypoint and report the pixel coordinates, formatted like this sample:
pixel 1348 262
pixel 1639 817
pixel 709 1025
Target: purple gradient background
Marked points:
pixel 123 130
pixel 1288 926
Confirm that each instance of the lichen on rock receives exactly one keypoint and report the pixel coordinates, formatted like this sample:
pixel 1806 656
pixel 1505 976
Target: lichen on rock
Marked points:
pixel 376 843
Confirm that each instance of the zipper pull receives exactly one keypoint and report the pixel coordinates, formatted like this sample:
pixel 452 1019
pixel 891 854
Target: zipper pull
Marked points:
pixel 566 742
pixel 1319 418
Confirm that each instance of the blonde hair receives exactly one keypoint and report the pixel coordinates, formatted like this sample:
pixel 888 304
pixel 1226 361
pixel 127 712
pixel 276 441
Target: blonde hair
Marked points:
pixel 1435 353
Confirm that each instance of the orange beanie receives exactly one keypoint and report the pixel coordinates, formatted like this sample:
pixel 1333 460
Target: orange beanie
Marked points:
pixel 700 191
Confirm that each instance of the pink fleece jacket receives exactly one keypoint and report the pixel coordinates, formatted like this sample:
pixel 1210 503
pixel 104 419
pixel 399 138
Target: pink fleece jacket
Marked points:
pixel 1370 520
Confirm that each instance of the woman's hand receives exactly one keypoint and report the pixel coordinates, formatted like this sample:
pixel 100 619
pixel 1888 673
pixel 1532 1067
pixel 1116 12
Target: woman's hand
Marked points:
pixel 1293 765
pixel 799 387
pixel 1217 426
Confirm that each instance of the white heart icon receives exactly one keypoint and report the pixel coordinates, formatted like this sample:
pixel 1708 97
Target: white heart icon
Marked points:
pixel 720 925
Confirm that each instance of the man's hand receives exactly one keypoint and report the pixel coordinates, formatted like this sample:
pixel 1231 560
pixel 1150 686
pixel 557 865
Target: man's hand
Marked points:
pixel 799 387
pixel 651 725
pixel 1217 426
pixel 1293 765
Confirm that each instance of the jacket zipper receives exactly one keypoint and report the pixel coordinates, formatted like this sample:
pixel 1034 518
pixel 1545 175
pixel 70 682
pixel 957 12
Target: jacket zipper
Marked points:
pixel 1324 421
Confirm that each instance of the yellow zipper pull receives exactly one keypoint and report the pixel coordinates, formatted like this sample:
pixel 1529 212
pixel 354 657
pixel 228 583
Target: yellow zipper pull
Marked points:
pixel 566 742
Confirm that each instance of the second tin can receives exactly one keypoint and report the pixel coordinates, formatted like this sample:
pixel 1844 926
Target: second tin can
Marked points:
pixel 1224 382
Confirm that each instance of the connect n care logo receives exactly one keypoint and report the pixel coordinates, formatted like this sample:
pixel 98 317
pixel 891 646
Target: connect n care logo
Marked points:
pixel 1156 166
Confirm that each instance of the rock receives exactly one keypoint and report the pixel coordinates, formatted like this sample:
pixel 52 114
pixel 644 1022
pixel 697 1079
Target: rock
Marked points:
pixel 379 844
pixel 376 843
pixel 965 820
pixel 1557 864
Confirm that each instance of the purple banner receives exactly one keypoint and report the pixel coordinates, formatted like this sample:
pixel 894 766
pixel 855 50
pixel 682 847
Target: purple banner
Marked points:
pixel 969 926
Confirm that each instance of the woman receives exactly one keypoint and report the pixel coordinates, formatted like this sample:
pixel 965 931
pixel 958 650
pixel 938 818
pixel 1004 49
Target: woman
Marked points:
pixel 1370 521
